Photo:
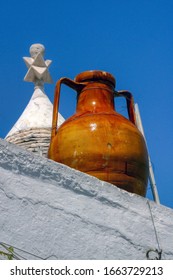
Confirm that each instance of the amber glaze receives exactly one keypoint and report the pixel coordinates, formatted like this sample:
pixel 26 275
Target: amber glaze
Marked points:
pixel 96 139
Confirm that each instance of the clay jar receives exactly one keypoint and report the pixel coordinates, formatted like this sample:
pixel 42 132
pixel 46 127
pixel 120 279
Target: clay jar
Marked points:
pixel 96 139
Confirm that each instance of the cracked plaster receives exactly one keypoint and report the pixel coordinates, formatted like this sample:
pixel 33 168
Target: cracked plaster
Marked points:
pixel 55 212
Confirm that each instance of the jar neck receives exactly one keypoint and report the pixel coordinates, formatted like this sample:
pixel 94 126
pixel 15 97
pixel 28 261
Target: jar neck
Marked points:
pixel 95 97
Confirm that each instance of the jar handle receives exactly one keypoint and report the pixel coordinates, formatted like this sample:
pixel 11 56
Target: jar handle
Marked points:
pixel 72 84
pixel 130 104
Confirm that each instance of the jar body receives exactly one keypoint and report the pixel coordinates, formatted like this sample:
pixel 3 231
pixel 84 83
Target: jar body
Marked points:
pixel 102 143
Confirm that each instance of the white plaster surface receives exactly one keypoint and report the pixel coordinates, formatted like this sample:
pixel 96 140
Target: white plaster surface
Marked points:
pixel 37 114
pixel 56 212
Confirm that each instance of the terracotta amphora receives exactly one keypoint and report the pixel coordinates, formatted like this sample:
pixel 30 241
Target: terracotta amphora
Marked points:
pixel 96 139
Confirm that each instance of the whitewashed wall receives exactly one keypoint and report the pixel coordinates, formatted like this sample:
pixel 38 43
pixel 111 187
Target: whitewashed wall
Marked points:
pixel 55 212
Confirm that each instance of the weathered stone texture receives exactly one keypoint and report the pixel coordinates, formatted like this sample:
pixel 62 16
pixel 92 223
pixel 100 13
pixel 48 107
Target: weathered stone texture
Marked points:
pixel 34 140
pixel 56 212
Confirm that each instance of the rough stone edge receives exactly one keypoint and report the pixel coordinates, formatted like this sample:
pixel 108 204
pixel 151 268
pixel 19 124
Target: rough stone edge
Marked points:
pixel 16 162
pixel 20 161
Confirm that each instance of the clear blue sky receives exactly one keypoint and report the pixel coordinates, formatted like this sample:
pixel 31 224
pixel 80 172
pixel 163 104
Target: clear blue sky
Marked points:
pixel 132 39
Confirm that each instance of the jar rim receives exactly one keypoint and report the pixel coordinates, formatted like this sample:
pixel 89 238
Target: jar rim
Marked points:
pixel 95 75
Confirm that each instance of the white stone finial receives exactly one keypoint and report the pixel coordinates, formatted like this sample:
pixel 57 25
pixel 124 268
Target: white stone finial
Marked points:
pixel 35 49
pixel 37 68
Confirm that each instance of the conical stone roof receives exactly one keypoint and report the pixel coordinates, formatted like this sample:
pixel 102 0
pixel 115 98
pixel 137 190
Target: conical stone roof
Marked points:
pixel 32 130
pixel 37 114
